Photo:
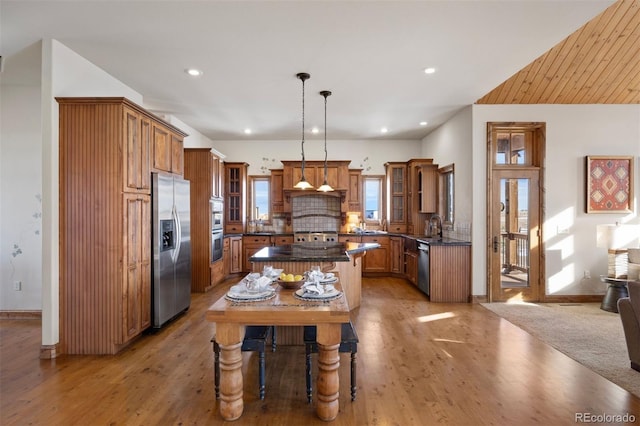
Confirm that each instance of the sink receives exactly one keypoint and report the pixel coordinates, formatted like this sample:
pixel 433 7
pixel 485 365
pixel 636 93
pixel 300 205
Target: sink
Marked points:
pixel 373 232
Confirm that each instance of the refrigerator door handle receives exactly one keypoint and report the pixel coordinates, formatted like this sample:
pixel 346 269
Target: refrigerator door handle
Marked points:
pixel 178 227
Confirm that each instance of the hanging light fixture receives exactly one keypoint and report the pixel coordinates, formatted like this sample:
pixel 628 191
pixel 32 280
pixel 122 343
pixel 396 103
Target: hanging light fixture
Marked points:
pixel 303 184
pixel 325 187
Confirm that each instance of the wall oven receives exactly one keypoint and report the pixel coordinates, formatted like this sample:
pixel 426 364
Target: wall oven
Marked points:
pixel 216 214
pixel 216 245
pixel 216 221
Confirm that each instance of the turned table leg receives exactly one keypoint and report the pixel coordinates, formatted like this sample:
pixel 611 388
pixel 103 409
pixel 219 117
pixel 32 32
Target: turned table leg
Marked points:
pixel 229 338
pixel 328 382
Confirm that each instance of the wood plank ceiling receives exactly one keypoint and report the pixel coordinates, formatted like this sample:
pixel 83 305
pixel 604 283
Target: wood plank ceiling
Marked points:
pixel 597 64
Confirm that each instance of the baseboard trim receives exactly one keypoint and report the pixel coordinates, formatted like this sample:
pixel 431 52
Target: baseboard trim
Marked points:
pixel 20 314
pixel 48 351
pixel 577 298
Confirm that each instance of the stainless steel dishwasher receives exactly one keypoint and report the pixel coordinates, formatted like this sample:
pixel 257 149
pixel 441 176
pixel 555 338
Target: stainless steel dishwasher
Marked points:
pixel 423 268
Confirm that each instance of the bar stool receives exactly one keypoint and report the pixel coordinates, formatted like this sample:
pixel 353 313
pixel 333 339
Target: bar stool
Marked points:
pixel 255 340
pixel 348 343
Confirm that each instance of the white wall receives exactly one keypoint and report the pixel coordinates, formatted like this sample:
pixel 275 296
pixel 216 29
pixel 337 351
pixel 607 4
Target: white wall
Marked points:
pixel 21 181
pixel 262 155
pixel 573 132
pixel 451 144
pixel 29 169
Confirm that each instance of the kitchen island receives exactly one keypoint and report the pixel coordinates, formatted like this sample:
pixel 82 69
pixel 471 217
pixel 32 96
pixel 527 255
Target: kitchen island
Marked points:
pixel 343 259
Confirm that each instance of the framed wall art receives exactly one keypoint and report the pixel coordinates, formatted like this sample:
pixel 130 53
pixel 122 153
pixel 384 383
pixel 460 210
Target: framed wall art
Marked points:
pixel 609 184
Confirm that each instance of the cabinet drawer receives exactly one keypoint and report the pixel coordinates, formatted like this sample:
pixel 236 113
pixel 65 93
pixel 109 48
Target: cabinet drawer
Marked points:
pixel 259 240
pixel 400 229
pixel 233 228
pixel 383 240
pixel 282 240
pixel 349 238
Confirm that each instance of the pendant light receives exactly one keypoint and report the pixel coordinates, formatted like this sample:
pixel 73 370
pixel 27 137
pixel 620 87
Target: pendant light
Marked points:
pixel 325 186
pixel 303 184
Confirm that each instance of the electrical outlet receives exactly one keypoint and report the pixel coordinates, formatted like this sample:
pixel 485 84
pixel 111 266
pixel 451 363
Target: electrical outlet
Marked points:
pixel 587 273
pixel 17 285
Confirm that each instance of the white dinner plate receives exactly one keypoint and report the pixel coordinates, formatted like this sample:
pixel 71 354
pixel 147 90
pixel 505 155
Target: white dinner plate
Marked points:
pixel 331 294
pixel 245 295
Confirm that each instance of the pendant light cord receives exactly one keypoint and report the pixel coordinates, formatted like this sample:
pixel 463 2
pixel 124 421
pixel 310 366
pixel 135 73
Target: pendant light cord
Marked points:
pixel 303 79
pixel 325 138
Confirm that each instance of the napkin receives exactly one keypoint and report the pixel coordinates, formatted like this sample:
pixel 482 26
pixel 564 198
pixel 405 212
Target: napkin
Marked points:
pixel 313 288
pixel 260 284
pixel 263 282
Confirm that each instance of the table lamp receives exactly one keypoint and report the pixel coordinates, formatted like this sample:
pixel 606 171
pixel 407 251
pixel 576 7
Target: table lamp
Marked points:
pixel 616 239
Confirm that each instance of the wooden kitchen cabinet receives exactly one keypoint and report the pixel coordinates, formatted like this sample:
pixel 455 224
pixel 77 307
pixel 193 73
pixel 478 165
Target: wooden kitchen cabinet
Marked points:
pixel 450 273
pixel 428 195
pixel 349 238
pixel 354 191
pixel 168 147
pixel 235 184
pixel 377 261
pixel 138 143
pixel 411 260
pixel 397 255
pixel 337 173
pixel 137 250
pixel 232 255
pixel 277 187
pixel 251 244
pixel 217 176
pixel 105 220
pixel 281 240
pixel 396 181
pixel 235 267
pixel 421 194
pixel 411 266
pixel 200 168
pixel 337 177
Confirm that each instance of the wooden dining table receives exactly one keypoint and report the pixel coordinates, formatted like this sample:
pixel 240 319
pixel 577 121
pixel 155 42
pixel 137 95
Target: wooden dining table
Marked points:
pixel 284 308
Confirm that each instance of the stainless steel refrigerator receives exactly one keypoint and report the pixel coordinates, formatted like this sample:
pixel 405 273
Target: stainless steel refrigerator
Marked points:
pixel 171 290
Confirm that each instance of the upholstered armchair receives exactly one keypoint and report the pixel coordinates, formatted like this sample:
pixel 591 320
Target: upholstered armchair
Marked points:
pixel 629 308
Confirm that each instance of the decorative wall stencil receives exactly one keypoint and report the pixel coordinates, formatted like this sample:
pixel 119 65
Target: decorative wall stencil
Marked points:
pixel 365 164
pixel 267 165
pixel 609 184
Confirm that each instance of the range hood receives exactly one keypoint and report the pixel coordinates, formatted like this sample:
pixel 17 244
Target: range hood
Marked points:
pixel 291 193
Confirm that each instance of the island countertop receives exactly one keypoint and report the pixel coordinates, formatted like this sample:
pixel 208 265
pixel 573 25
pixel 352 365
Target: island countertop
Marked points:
pixel 325 252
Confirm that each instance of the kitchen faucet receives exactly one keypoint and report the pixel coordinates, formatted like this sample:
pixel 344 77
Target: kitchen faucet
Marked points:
pixel 438 225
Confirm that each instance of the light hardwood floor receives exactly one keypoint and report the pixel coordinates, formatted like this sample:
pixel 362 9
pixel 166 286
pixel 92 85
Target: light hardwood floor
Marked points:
pixel 418 364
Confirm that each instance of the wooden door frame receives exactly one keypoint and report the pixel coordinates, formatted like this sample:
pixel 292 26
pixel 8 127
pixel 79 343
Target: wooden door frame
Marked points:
pixel 538 154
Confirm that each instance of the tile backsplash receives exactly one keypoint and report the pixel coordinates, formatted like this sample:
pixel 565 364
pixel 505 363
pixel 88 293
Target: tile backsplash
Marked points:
pixel 315 213
pixel 459 231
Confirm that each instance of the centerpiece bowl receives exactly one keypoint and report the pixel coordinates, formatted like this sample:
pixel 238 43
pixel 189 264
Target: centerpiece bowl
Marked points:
pixel 291 285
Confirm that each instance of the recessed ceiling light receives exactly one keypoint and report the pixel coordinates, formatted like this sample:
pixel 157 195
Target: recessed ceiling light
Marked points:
pixel 384 130
pixel 193 72
pixel 423 123
pixel 247 131
pixel 315 130
pixel 429 70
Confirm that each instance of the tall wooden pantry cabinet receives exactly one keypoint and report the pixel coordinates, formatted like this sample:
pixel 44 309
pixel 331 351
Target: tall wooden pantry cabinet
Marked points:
pixel 106 146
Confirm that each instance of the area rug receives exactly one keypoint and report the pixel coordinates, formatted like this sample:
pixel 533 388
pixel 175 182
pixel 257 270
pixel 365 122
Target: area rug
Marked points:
pixel 582 331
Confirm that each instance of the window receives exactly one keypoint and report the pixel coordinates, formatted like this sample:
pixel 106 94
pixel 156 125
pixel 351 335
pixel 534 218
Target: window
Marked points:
pixel 513 147
pixel 446 193
pixel 260 198
pixel 373 198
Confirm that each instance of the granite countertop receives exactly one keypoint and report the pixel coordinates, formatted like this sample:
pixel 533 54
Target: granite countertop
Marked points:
pixel 441 241
pixel 326 252
pixel 421 238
